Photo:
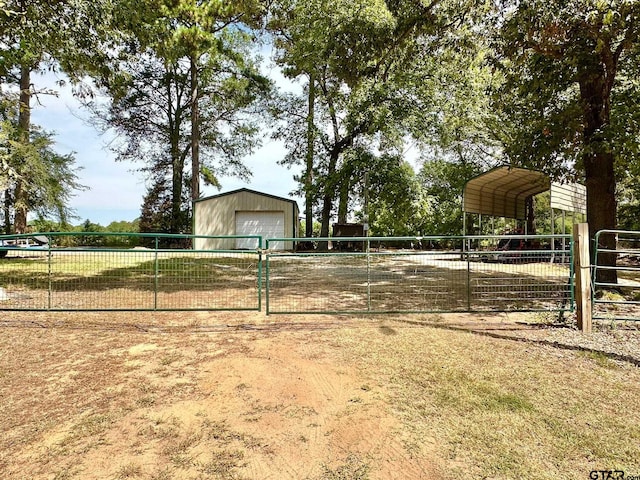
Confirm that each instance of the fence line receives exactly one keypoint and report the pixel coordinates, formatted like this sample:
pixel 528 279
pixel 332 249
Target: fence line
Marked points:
pixel 127 272
pixel 616 276
pixel 465 274
pixel 117 271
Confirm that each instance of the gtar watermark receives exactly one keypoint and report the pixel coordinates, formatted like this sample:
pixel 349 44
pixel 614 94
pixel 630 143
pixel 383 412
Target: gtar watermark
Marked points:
pixel 611 475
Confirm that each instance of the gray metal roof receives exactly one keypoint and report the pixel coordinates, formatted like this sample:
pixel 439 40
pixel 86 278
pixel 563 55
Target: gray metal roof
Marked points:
pixel 502 192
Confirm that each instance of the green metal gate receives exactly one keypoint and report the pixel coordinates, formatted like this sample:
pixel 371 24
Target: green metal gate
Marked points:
pixel 619 300
pixel 422 274
pixel 110 271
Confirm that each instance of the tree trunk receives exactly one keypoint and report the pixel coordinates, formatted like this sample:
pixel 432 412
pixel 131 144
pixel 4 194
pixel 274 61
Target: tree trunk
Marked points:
pixel 177 177
pixel 327 198
pixel 601 209
pixel 531 217
pixel 7 211
pixel 308 176
pixel 195 131
pixel 176 196
pixel 327 206
pixel 599 171
pixel 24 126
pixel 343 205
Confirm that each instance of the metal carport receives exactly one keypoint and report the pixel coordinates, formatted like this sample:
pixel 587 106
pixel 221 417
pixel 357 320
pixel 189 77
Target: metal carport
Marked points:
pixel 503 192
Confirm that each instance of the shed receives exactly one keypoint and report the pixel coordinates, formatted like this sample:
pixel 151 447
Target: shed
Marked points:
pixel 244 212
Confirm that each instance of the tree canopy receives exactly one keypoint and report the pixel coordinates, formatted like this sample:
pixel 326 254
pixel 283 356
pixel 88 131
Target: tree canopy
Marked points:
pixel 370 66
pixel 183 85
pixel 37 36
pixel 570 88
pixel 550 85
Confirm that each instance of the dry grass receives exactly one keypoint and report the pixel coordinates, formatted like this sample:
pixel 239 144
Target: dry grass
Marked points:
pixel 243 396
pixel 501 409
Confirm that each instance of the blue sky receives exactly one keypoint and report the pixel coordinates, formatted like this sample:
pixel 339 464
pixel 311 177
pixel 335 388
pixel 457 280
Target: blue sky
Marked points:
pixel 114 189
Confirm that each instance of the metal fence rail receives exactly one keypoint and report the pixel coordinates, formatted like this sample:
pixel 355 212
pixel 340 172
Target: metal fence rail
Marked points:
pixel 422 274
pixel 619 300
pixel 97 271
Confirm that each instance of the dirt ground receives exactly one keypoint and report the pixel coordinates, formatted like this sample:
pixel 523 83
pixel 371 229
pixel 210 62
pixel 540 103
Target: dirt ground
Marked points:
pixel 211 395
pixel 128 400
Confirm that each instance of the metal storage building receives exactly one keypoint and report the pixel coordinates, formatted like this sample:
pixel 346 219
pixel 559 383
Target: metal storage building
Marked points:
pixel 244 212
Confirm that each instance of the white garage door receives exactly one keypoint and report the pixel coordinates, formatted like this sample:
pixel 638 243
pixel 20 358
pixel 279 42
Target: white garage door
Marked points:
pixel 267 224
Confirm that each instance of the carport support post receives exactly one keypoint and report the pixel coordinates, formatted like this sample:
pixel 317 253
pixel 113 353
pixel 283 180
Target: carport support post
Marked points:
pixel 582 276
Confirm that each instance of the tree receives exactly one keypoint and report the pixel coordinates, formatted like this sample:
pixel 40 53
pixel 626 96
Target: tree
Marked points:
pixel 156 213
pixel 38 35
pixel 365 63
pixel 467 135
pixel 443 181
pixel 148 110
pixel 566 63
pixel 33 176
pixel 371 68
pixel 397 205
pixel 187 89
pixel 198 36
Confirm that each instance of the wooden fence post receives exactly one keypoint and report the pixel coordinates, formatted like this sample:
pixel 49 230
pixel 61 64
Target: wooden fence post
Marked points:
pixel 582 265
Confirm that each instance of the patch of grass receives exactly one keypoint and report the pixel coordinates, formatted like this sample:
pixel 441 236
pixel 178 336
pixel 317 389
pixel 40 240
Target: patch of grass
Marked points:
pixel 221 432
pixel 178 449
pixel 93 425
pixel 224 464
pixel 218 430
pixel 130 470
pixel 503 409
pixel 385 330
pixel 160 428
pixel 64 474
pixel 545 318
pixel 164 474
pixel 146 401
pixel 170 358
pixel 600 358
pixel 179 446
pixel 182 460
pixel 353 468
pixel 95 270
pixel 508 402
pixel 434 318
pixel 300 411
pixel 146 387
pixel 610 295
pixel 182 449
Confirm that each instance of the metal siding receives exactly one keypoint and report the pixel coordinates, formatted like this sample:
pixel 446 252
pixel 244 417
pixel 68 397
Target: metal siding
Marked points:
pixel 569 198
pixel 216 216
